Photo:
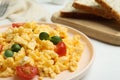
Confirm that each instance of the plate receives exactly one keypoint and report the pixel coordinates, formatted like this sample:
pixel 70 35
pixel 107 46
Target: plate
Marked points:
pixel 84 64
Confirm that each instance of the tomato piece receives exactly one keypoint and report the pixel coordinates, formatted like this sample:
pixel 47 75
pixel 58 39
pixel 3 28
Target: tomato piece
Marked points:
pixel 61 49
pixel 16 25
pixel 26 72
pixel 1 47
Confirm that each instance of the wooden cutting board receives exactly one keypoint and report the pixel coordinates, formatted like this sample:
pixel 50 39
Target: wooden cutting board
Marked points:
pixel 100 29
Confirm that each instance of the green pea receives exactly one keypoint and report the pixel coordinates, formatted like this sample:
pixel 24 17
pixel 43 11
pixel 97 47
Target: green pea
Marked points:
pixel 43 36
pixel 15 47
pixel 8 53
pixel 55 39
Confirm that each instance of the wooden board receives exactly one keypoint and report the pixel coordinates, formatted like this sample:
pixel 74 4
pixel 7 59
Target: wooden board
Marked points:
pixel 100 29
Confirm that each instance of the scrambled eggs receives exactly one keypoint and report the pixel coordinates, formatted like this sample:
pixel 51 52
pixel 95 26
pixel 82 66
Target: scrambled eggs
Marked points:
pixel 37 52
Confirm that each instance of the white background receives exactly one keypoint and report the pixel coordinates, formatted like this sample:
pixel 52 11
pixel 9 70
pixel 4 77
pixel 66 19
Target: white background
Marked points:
pixel 107 60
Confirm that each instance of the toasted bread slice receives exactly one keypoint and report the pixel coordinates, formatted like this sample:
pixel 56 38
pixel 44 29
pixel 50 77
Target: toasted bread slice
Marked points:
pixel 112 6
pixel 92 7
pixel 70 12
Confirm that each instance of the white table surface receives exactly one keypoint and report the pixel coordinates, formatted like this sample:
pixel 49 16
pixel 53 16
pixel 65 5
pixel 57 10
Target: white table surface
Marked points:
pixel 107 60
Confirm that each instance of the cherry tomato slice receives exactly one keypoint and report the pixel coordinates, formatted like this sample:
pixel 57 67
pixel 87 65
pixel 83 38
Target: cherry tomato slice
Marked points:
pixel 16 25
pixel 61 49
pixel 26 72
pixel 1 46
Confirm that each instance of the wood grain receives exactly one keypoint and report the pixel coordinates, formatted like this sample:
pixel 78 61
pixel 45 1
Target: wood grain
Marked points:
pixel 101 29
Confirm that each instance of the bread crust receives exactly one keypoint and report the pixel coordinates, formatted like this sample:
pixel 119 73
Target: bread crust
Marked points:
pixel 109 9
pixel 93 10
pixel 78 15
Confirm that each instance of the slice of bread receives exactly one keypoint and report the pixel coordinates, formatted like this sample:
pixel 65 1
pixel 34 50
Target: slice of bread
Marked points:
pixel 92 7
pixel 112 6
pixel 70 12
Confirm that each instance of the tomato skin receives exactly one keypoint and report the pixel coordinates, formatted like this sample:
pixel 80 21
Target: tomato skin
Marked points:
pixel 26 72
pixel 16 25
pixel 61 49
pixel 1 47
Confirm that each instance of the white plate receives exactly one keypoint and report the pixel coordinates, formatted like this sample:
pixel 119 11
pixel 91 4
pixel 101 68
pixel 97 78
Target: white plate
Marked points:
pixel 84 64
